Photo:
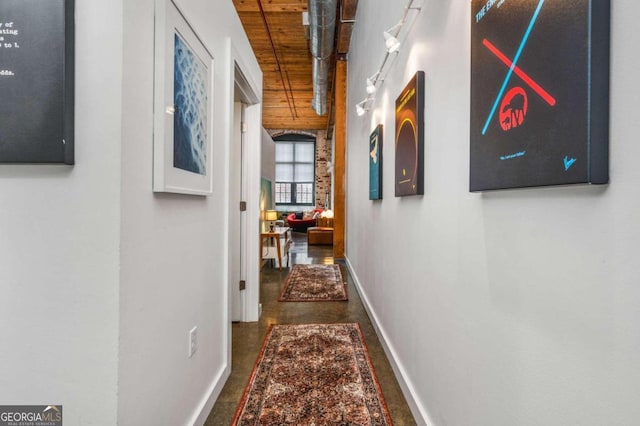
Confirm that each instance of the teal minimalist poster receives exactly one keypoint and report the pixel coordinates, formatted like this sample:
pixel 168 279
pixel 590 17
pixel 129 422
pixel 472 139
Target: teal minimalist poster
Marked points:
pixel 375 164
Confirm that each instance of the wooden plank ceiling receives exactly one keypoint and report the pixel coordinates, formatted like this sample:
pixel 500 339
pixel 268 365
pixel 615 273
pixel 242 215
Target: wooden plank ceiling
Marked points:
pixel 277 36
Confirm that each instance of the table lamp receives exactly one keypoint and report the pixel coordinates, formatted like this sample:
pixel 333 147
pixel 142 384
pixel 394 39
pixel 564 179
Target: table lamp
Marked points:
pixel 271 215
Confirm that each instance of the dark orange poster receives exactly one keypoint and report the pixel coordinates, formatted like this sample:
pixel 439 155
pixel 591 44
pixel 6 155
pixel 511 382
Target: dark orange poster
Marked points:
pixel 409 176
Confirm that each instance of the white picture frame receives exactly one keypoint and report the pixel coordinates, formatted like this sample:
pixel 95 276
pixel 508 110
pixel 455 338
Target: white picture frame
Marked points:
pixel 183 119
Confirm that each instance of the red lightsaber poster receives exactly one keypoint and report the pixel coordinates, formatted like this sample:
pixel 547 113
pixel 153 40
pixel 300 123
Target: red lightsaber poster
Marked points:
pixel 539 93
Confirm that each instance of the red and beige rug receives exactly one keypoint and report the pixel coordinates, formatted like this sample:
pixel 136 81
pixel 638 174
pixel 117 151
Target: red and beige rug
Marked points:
pixel 313 374
pixel 314 283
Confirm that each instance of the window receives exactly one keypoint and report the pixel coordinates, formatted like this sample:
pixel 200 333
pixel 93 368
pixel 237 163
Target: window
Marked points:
pixel 295 171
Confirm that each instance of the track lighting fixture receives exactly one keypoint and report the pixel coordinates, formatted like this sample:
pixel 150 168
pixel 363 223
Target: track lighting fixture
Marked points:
pixel 371 87
pixel 390 40
pixel 360 109
pixel 363 106
pixel 371 83
pixel 392 44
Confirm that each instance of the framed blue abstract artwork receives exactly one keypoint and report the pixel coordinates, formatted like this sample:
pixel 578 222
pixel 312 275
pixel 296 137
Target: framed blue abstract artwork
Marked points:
pixel 183 106
pixel 375 164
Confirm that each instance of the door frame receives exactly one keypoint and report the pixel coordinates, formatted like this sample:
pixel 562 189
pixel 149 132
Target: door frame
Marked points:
pixel 249 93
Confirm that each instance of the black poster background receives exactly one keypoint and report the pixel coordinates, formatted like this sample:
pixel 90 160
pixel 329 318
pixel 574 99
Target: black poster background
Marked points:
pixel 409 172
pixel 36 102
pixel 550 144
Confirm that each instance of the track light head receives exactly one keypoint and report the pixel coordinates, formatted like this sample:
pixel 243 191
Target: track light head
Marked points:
pixel 363 106
pixel 392 43
pixel 371 86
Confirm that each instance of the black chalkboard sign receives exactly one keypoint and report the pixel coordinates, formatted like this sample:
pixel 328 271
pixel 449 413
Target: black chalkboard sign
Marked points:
pixel 36 81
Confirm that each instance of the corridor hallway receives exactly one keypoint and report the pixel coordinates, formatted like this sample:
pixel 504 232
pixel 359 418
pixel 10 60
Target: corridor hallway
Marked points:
pixel 248 337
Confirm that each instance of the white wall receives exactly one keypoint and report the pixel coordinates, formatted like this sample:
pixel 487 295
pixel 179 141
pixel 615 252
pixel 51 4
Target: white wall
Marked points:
pixel 101 279
pixel 59 232
pixel 174 261
pixel 505 308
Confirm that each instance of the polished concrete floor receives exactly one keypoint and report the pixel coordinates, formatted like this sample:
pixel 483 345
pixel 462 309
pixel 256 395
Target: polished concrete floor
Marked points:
pixel 248 337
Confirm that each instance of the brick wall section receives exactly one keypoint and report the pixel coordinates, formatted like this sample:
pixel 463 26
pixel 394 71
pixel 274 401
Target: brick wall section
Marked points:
pixel 323 178
pixel 323 158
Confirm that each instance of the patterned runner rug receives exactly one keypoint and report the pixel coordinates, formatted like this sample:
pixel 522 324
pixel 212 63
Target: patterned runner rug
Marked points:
pixel 314 283
pixel 313 374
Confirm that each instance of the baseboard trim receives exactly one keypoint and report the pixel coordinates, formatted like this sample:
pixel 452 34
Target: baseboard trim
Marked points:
pixel 209 400
pixel 417 409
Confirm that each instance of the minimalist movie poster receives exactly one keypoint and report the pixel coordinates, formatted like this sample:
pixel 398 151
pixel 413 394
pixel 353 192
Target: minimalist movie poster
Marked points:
pixel 539 93
pixel 375 164
pixel 37 40
pixel 190 117
pixel 409 175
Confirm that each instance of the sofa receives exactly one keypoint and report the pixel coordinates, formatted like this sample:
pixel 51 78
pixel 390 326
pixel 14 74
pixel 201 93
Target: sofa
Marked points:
pixel 301 225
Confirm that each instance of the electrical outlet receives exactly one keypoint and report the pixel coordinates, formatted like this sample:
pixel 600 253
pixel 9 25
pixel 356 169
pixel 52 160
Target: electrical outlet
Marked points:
pixel 193 341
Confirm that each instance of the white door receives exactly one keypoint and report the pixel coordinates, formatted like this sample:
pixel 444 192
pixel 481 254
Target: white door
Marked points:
pixel 236 219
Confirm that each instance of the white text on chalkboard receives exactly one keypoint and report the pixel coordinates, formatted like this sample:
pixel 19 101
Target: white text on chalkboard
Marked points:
pixel 8 29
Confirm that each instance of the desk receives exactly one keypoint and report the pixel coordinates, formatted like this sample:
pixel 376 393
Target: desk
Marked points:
pixel 282 238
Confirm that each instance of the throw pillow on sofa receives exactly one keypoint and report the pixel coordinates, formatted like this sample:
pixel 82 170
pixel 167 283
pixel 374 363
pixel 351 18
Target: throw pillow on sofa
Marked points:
pixel 299 215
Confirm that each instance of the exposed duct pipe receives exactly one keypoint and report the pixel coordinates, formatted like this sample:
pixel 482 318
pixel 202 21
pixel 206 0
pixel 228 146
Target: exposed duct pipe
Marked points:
pixel 322 23
pixel 320 85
